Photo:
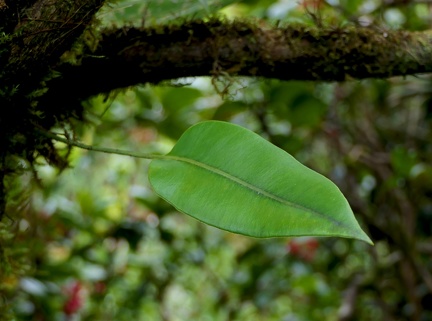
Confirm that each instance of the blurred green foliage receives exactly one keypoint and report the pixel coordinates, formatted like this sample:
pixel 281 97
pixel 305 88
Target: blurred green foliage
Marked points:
pixel 96 243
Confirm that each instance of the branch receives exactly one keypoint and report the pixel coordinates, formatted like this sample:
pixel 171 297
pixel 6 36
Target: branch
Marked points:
pixel 347 309
pixel 129 57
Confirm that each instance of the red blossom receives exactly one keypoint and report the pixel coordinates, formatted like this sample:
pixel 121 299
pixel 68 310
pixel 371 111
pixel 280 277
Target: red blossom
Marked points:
pixel 75 299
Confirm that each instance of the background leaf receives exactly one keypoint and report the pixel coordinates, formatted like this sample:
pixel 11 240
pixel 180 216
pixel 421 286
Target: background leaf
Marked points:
pixel 231 178
pixel 372 139
pixel 159 11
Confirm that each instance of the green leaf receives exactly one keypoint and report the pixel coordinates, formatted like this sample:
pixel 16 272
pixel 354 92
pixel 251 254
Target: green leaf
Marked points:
pixel 231 178
pixel 159 11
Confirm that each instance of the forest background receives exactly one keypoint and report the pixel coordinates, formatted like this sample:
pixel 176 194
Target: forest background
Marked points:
pixel 92 241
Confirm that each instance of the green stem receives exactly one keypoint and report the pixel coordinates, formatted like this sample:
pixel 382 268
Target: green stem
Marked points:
pixel 101 149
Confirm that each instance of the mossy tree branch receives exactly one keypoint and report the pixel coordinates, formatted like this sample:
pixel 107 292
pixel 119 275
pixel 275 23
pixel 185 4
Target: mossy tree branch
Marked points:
pixel 130 56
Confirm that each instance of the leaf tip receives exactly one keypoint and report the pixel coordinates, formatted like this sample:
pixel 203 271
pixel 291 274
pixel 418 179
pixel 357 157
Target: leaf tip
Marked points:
pixel 364 237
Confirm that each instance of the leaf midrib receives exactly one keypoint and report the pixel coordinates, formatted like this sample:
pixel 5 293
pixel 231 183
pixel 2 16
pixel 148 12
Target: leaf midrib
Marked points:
pixel 250 186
